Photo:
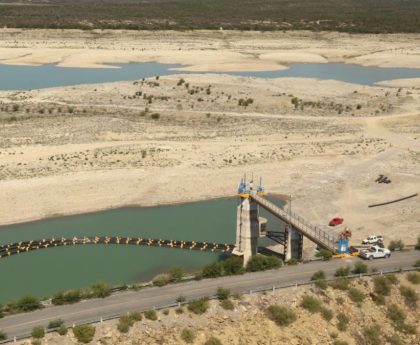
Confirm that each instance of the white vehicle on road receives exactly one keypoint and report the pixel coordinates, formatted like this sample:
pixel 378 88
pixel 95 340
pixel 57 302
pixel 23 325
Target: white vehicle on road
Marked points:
pixel 373 239
pixel 374 253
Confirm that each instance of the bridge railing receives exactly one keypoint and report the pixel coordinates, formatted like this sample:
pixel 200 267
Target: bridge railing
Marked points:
pixel 322 236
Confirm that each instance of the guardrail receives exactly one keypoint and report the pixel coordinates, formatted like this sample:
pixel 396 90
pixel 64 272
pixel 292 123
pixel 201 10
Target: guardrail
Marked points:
pixel 250 292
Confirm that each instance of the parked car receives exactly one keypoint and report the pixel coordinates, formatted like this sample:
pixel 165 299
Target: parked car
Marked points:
pixel 353 251
pixel 375 252
pixel 372 239
pixel 336 221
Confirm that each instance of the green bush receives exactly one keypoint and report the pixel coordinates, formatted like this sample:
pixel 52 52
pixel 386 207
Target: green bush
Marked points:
pixel 176 273
pixel 55 324
pixel 161 279
pixel 261 263
pixel 124 323
pixel 340 284
pixel 396 244
pixel 417 263
pixel 3 336
pixel 227 304
pixel 392 278
pixel 84 333
pixel 311 304
pixel 395 340
pixel 342 272
pixel 318 275
pixel 62 330
pixel 232 266
pixel 359 268
pixel 410 296
pixel 150 314
pixel 372 334
pixel 356 295
pixel 222 293
pixel 67 297
pixel 188 335
pixel 292 262
pixel 180 299
pixel 378 299
pixel 321 283
pixel 213 341
pixel 100 290
pixel 324 254
pixel 327 314
pixel 198 306
pixel 26 303
pixel 213 270
pixel 38 332
pixel 382 286
pixel 281 315
pixel 414 278
pixel 179 310
pixel 396 314
pixel 343 322
pixel 135 316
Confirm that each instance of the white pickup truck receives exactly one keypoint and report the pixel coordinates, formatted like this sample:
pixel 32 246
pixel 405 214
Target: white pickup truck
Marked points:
pixel 374 253
pixel 373 239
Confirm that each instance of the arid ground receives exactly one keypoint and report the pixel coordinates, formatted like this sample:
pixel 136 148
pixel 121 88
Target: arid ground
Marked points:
pixel 191 137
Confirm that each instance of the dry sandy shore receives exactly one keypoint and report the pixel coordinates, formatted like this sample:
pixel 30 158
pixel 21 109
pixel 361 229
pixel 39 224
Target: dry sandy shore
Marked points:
pixel 85 148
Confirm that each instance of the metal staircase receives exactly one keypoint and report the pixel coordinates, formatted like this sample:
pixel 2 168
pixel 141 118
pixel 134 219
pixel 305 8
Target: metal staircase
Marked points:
pixel 322 237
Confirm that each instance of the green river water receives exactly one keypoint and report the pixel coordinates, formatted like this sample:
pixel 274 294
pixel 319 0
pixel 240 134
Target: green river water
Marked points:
pixel 47 271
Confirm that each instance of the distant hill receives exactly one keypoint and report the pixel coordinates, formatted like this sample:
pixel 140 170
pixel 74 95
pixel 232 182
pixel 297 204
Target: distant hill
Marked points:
pixel 360 16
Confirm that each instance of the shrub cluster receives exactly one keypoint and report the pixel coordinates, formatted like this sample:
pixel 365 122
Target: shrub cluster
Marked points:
pixel 84 333
pixel 230 266
pixel 262 263
pixel 342 272
pixel 198 306
pixel 356 295
pixel 125 322
pixel 396 245
pixel 281 315
pixel 188 335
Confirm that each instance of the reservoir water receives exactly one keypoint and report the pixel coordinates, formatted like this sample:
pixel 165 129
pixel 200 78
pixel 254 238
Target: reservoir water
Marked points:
pixel 47 271
pixel 13 77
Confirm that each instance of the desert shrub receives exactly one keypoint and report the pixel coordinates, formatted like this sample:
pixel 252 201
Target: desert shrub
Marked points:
pixel 84 333
pixel 180 299
pixel 176 273
pixel 311 304
pixel 150 315
pixel 213 270
pixel 261 263
pixel 356 295
pixel 340 342
pixel 62 330
pixel 343 322
pixel 100 290
pixel 281 315
pixel 359 268
pixel 124 323
pixel 342 272
pixel 161 279
pixel 413 277
pixel 198 306
pixel 213 341
pixel 378 299
pixel 410 296
pixel 3 336
pixel 188 335
pixel 318 275
pixel 26 303
pixel 38 332
pixel 327 314
pixel 340 284
pixel 292 262
pixel 417 263
pixel 321 283
pixel 324 254
pixel 372 334
pixel 67 297
pixel 339 300
pixel 222 293
pixel 392 278
pixel 395 314
pixel 227 304
pixel 395 340
pixel 179 310
pixel 55 323
pixel 382 286
pixel 135 316
pixel 232 265
pixel 396 244
pixel 155 116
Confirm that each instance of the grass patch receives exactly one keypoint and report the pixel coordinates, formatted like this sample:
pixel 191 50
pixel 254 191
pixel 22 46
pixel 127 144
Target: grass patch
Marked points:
pixel 188 335
pixel 356 295
pixel 413 278
pixel 311 304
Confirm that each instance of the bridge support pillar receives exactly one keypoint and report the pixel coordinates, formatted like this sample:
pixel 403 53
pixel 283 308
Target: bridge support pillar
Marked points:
pixel 247 229
pixel 294 244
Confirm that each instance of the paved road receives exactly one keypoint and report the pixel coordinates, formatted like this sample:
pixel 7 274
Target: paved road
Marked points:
pixel 120 303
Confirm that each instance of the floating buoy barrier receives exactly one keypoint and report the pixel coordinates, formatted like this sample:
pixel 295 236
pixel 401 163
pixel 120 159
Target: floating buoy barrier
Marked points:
pixel 26 246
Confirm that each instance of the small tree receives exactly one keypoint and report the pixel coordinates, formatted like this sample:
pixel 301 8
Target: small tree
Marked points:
pixel 233 265
pixel 213 270
pixel 84 333
pixel 38 332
